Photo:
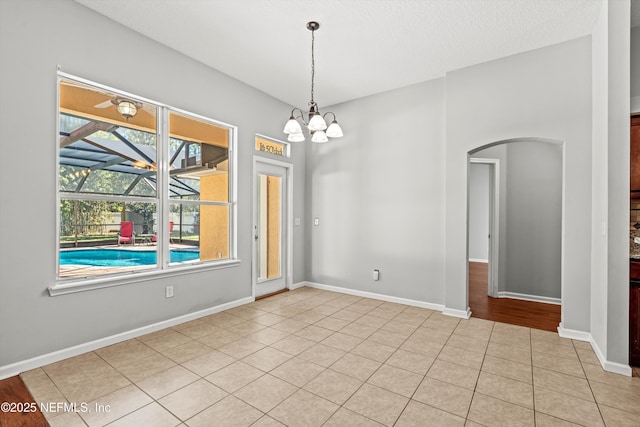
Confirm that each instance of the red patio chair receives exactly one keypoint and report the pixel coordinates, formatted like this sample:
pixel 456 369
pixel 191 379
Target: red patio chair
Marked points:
pixel 155 238
pixel 126 234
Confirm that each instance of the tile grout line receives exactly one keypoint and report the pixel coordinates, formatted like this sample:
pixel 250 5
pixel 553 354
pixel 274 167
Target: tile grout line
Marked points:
pixel 476 385
pixel 533 385
pixel 423 377
pixel 381 364
pixel 588 383
pixel 428 370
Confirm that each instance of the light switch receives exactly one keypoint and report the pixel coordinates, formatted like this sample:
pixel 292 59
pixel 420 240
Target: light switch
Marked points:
pixel 297 221
pixel 316 221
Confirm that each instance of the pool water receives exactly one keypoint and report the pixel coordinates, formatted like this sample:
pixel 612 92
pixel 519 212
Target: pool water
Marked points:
pixel 121 257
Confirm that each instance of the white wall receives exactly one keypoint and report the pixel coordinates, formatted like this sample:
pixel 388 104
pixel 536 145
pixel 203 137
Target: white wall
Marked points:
pixel 542 93
pixel 479 212
pixel 35 37
pixel 379 195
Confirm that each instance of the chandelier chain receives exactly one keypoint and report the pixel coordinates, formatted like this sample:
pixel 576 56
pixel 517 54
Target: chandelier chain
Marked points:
pixel 313 64
pixel 312 119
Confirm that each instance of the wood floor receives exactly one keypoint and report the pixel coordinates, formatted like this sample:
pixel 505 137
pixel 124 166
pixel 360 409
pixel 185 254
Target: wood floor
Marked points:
pixel 516 312
pixel 13 390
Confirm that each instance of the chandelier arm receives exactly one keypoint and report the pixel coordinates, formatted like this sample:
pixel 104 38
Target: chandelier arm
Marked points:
pixel 329 112
pixel 300 116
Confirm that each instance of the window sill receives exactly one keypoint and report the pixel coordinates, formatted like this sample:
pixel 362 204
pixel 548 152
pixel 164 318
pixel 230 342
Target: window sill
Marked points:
pixel 81 285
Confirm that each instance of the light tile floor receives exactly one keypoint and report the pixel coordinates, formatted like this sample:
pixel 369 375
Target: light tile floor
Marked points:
pixel 310 358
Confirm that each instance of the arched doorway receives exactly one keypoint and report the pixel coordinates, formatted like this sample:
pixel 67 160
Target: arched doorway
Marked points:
pixel 524 222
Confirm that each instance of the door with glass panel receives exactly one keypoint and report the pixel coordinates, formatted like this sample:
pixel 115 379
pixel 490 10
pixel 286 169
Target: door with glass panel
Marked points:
pixel 270 228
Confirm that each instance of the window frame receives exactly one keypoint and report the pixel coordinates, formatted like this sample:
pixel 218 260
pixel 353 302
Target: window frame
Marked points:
pixel 162 200
pixel 285 145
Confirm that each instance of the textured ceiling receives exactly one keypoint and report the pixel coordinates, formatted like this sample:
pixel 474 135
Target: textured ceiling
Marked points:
pixel 363 46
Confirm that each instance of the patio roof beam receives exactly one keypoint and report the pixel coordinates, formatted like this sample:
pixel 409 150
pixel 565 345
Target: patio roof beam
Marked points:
pixel 184 186
pixel 107 150
pixel 73 149
pixel 84 131
pixel 133 185
pixel 81 183
pixel 134 148
pixel 175 155
pixel 103 165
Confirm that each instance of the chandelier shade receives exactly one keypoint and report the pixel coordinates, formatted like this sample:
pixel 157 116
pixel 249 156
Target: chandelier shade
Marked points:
pixel 317 123
pixel 334 130
pixel 292 127
pixel 314 121
pixel 319 136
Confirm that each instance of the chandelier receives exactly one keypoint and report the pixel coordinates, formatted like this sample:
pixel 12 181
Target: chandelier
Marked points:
pixel 315 121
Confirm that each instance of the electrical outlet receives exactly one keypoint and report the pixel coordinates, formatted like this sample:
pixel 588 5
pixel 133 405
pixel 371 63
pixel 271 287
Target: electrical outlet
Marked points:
pixel 168 292
pixel 376 275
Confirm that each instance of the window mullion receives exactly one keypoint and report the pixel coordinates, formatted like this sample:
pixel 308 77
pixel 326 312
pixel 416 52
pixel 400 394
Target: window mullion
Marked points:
pixel 163 187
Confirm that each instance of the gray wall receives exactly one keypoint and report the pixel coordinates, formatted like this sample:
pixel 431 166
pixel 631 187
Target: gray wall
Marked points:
pixel 542 93
pixel 618 185
pixel 534 218
pixel 530 217
pixel 379 195
pixel 35 37
pixel 479 212
pixel 599 181
pixel 635 70
pixel 613 85
pixel 391 217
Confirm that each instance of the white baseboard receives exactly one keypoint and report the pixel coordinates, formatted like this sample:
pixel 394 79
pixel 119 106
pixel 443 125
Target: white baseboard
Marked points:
pixel 573 334
pixel 485 261
pixel 527 297
pixel 439 307
pixel 296 285
pixel 463 314
pixel 45 359
pixel 615 367
pixel 382 297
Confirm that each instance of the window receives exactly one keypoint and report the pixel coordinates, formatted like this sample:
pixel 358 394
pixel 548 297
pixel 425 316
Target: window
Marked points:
pixel 141 186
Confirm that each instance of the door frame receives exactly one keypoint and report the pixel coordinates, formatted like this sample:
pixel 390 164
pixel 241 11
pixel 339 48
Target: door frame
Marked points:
pixel 287 240
pixel 494 222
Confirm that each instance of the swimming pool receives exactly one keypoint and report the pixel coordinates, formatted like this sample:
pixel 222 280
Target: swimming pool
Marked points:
pixel 120 257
